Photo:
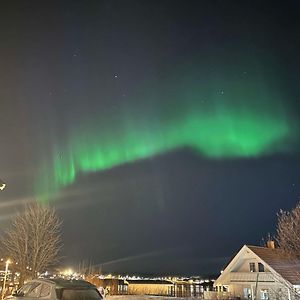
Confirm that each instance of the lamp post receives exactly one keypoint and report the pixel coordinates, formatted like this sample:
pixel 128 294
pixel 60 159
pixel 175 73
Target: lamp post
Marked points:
pixel 5 276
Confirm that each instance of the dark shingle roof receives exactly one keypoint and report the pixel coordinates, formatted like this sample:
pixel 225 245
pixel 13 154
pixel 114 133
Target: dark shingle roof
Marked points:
pixel 284 265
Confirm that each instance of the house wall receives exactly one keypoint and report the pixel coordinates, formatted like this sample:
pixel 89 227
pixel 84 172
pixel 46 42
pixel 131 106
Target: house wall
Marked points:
pixel 237 277
pixel 149 289
pixel 243 264
pixel 245 267
pixel 276 291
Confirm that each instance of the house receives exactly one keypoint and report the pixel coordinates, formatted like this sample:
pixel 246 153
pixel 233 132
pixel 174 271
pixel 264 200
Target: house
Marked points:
pixel 150 287
pixel 113 286
pixel 263 273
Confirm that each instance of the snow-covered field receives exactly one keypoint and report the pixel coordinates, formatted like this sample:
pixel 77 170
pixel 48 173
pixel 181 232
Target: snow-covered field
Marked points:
pixel 142 297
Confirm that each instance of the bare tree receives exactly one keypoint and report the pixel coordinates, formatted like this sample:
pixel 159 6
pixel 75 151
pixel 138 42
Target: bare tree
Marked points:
pixel 33 240
pixel 288 239
pixel 288 231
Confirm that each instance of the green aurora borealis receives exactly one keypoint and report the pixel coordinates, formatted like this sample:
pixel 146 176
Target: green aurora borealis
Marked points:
pixel 238 120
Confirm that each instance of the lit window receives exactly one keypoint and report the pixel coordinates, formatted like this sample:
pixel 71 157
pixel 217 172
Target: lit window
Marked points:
pixel 252 267
pixel 247 293
pixel 264 294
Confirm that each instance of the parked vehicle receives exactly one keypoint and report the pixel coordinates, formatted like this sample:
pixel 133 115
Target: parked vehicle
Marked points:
pixel 56 289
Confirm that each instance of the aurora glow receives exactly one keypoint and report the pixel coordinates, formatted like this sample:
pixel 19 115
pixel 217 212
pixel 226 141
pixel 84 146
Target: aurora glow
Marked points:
pixel 246 119
pixel 222 132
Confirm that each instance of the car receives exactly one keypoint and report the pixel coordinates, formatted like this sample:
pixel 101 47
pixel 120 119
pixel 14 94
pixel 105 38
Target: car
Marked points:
pixel 56 289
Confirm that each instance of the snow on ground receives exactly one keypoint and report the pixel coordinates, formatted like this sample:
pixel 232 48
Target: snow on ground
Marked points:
pixel 142 297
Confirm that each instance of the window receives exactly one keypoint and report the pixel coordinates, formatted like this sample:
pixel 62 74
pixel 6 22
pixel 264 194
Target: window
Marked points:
pixel 252 267
pixel 264 294
pixel 261 267
pixel 28 288
pixel 35 291
pixel 247 293
pixel 45 290
pixel 25 289
pixel 85 294
pixel 225 288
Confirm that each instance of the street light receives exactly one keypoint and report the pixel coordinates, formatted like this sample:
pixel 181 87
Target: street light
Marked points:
pixel 2 185
pixel 5 276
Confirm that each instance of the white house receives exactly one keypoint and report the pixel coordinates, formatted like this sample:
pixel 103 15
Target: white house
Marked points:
pixel 261 273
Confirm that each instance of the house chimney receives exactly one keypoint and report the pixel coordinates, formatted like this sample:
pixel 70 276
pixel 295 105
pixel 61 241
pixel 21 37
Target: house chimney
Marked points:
pixel 270 244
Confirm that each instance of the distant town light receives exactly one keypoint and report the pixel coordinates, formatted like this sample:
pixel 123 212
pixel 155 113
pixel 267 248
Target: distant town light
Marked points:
pixel 68 272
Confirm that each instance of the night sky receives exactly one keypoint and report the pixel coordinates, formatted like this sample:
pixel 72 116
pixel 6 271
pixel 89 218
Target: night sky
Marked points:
pixel 166 133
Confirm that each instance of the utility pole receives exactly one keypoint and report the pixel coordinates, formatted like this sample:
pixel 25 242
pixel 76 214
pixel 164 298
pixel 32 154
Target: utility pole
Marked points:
pixel 256 284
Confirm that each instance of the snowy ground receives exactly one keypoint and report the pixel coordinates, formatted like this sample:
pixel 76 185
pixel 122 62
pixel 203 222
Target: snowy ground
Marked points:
pixel 142 297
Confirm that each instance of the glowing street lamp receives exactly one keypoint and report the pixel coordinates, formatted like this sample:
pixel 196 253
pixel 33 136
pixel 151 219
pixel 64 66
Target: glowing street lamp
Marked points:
pixel 5 276
pixel 2 185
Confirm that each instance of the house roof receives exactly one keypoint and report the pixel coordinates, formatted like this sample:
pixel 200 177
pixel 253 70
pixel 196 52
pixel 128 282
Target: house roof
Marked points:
pixel 284 265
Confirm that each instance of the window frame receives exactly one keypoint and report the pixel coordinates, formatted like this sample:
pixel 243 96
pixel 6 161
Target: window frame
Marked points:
pixel 261 267
pixel 252 267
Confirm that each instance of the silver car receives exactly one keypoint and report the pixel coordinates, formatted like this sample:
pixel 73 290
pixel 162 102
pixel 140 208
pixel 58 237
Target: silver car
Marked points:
pixel 56 289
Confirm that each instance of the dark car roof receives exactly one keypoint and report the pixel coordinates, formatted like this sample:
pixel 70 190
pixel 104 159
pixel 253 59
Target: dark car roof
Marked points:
pixel 68 283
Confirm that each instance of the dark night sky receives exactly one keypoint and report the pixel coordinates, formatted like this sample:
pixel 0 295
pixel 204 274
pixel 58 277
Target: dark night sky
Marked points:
pixel 166 133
